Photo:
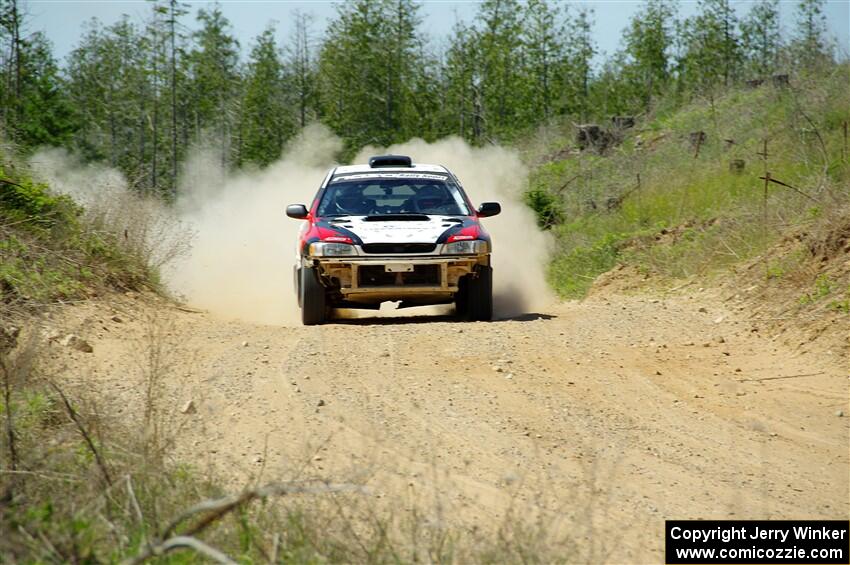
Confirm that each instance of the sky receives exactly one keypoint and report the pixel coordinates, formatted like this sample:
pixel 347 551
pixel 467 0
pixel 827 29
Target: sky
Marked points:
pixel 62 20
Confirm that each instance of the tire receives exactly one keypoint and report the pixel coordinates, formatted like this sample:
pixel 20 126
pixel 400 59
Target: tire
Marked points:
pixel 480 295
pixel 462 298
pixel 311 298
pixel 296 276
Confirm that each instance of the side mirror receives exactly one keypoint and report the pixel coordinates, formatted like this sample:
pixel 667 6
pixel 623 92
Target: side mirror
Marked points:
pixel 488 209
pixel 297 211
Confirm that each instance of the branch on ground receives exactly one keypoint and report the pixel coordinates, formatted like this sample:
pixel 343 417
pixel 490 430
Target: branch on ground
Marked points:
pixel 213 510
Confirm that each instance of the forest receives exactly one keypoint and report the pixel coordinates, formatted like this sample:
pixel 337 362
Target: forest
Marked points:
pixel 137 95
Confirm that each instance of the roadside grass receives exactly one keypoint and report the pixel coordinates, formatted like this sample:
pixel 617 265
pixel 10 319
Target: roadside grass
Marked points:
pixel 49 252
pixel 658 202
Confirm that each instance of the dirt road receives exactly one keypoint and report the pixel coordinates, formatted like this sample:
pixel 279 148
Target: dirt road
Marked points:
pixel 597 420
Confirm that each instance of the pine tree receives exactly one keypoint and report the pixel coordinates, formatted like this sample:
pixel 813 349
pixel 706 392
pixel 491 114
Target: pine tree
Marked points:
pixel 810 47
pixel 423 112
pixel 46 116
pixel 35 107
pixel 648 41
pixel 499 39
pixel 267 119
pixel 155 57
pixel 619 87
pixel 543 31
pixel 11 24
pixel 460 84
pixel 349 73
pixel 760 37
pixel 579 58
pixel 403 65
pixel 108 84
pixel 172 76
pixel 214 85
pixel 85 86
pixel 300 68
pixel 369 57
pixel 712 52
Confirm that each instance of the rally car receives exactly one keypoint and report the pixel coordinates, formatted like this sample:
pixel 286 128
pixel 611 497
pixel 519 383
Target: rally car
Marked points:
pixel 392 230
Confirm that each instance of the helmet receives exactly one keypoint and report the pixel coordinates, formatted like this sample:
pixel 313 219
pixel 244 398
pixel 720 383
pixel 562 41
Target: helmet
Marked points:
pixel 431 197
pixel 349 201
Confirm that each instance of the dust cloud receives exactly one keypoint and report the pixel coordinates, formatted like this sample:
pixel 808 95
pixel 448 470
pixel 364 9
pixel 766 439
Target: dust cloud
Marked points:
pixel 241 260
pixel 243 247
pixel 145 226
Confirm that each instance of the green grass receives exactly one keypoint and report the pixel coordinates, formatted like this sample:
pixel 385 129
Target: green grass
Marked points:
pixel 821 289
pixel 48 251
pixel 717 215
pixel 842 305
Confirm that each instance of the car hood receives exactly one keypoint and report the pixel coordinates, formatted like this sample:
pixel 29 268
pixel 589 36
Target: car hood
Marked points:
pixel 428 229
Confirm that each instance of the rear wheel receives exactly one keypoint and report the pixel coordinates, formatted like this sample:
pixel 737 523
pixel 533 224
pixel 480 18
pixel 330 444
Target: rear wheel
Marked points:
pixel 480 295
pixel 312 297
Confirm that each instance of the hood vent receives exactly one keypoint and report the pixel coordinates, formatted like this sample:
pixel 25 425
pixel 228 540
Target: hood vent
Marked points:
pixel 397 218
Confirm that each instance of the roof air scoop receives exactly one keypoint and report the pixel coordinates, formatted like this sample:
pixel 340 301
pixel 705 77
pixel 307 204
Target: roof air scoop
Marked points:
pixel 390 161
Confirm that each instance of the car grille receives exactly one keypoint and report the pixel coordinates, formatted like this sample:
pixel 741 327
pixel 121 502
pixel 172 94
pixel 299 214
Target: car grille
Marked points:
pixel 376 275
pixel 393 248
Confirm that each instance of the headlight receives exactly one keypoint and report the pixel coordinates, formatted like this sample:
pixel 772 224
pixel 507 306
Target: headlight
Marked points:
pixel 468 247
pixel 325 249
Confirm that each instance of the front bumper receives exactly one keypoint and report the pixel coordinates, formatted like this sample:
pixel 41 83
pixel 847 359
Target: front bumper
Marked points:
pixel 376 279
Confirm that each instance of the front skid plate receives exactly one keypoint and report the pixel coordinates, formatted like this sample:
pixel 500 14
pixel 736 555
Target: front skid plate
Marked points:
pixel 345 271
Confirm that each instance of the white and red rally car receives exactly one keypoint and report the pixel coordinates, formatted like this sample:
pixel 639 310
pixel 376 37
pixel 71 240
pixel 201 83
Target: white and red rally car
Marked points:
pixel 392 231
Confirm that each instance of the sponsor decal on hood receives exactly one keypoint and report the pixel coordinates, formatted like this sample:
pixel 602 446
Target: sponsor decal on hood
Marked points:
pixel 398 231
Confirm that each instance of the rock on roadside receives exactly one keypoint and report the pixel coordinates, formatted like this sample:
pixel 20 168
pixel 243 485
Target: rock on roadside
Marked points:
pixel 75 342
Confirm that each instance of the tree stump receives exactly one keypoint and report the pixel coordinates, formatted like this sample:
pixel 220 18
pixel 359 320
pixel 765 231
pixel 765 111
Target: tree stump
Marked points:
pixel 613 203
pixel 588 135
pixel 781 81
pixel 697 139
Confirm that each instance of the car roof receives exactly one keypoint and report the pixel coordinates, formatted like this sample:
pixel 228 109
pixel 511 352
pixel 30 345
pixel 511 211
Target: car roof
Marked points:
pixel 416 168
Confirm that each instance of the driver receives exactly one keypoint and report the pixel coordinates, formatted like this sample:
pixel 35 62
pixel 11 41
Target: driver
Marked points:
pixel 431 199
pixel 351 201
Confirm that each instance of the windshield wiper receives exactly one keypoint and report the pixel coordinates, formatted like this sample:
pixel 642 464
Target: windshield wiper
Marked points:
pixel 397 218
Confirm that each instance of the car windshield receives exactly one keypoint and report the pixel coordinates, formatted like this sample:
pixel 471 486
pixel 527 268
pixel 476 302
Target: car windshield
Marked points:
pixel 402 193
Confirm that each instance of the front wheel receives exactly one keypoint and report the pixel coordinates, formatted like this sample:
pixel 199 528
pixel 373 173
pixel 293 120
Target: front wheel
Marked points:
pixel 311 296
pixel 462 298
pixel 480 295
